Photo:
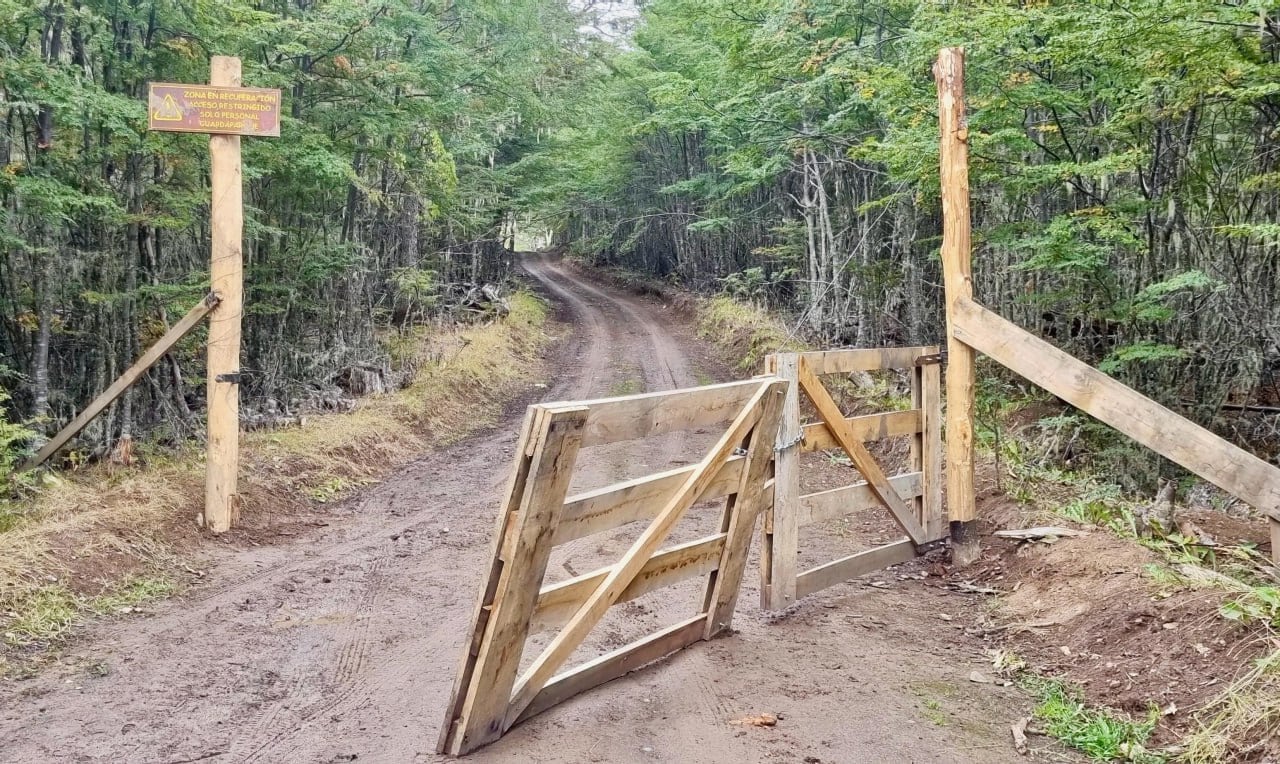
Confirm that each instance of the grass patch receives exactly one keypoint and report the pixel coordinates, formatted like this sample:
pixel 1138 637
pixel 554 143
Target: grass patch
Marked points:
pixel 42 617
pixel 931 706
pixel 132 593
pixel 1241 722
pixel 1099 733
pixel 747 332
pixel 624 387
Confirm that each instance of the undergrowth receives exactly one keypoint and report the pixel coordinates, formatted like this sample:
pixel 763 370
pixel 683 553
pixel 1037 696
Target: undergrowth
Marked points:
pixel 1240 722
pixel 748 332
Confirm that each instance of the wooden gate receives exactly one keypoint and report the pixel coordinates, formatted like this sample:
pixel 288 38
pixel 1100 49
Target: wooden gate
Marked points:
pixel 488 696
pixel 914 499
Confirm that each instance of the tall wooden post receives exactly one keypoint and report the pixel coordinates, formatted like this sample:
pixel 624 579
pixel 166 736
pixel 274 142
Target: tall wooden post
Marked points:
pixel 957 272
pixel 221 504
pixel 778 565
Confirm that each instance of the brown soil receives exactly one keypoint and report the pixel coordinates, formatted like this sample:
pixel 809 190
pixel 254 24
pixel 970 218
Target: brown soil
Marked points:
pixel 1089 610
pixel 337 637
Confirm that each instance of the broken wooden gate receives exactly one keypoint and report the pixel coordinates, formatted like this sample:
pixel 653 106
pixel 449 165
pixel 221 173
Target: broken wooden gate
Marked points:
pixel 913 499
pixel 489 697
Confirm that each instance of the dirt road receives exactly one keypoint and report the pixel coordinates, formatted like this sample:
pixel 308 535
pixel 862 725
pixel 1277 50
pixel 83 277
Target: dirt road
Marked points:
pixel 343 646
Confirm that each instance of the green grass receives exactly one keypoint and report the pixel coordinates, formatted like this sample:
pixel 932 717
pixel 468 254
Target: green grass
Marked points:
pixel 628 386
pixel 930 695
pixel 745 330
pixel 1099 733
pixel 132 593
pixel 45 616
pixel 49 613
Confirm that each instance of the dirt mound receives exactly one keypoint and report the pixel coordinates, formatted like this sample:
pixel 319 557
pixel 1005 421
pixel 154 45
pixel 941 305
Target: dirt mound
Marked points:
pixel 1106 614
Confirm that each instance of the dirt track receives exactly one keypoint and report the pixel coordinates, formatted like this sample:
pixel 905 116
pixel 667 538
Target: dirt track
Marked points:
pixel 345 644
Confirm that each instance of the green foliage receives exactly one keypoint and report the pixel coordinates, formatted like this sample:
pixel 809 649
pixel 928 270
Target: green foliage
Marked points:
pixel 1099 733
pixel 1118 164
pixel 14 438
pixel 418 289
pixel 401 125
pixel 1257 605
pixel 755 285
pixel 1143 351
pixel 42 617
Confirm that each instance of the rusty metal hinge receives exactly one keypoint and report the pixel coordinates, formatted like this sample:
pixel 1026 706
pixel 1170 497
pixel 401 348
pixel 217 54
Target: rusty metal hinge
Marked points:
pixel 932 358
pixel 233 377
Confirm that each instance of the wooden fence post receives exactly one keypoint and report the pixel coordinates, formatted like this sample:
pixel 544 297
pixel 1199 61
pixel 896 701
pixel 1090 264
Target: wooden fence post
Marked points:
pixel 948 73
pixel 926 446
pixel 782 528
pixel 221 504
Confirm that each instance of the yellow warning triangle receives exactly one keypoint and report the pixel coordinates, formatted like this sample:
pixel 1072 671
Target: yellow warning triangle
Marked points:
pixel 168 111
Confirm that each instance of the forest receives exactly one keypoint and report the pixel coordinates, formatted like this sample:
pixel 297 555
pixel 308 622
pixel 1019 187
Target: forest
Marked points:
pixel 784 152
pixel 389 193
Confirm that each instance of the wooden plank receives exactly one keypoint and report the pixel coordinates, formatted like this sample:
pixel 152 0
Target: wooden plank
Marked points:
pixel 122 383
pixel 738 520
pixel 640 499
pixel 916 457
pixel 935 525
pixel 1227 466
pixel 836 503
pixel 226 264
pixel 860 564
pixel 781 526
pixel 615 664
pixel 1275 539
pixel 818 437
pixel 523 556
pixel 612 420
pixel 869 359
pixel 957 273
pixel 558 602
pixel 862 459
pixel 620 577
pixel 518 476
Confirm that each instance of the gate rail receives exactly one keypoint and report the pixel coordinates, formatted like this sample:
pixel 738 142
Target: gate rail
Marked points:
pixel 913 498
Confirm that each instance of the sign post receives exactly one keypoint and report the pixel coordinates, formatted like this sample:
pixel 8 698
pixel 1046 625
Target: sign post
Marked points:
pixel 226 111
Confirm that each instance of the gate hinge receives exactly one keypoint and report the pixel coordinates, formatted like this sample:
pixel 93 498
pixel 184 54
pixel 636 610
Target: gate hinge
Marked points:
pixel 932 358
pixel 232 376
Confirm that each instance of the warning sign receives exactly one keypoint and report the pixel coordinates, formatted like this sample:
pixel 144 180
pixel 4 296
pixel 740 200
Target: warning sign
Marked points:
pixel 213 109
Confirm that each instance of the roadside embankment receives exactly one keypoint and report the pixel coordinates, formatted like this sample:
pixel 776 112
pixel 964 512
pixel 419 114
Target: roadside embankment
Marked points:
pixel 105 539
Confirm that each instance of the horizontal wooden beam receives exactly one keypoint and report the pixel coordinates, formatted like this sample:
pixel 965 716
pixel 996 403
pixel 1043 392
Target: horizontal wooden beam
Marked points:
pixel 125 380
pixel 558 602
pixel 838 502
pixel 612 420
pixel 860 564
pixel 615 664
pixel 1227 466
pixel 617 504
pixel 870 359
pixel 818 437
